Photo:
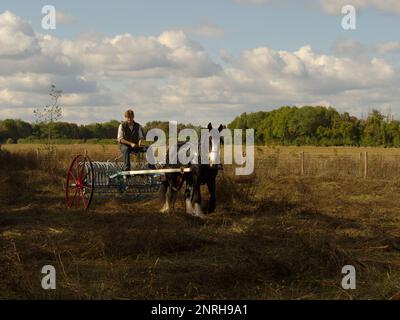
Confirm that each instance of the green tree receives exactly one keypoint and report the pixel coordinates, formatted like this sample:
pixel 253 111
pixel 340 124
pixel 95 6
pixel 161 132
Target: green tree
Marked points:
pixel 374 131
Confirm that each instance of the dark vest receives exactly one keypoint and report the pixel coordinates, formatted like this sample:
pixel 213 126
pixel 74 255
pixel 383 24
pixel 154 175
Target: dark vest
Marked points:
pixel 131 136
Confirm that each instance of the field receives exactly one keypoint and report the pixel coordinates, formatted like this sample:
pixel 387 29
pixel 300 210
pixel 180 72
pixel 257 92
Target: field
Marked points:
pixel 283 233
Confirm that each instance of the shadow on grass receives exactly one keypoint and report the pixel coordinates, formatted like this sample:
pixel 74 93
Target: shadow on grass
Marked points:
pixel 134 251
pixel 261 245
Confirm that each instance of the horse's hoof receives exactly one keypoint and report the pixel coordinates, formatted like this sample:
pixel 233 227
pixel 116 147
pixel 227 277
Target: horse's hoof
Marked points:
pixel 197 212
pixel 200 216
pixel 189 207
pixel 165 211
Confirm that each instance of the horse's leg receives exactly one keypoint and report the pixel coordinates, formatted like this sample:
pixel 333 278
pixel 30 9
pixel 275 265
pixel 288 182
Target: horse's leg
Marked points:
pixel 188 198
pixel 188 192
pixel 175 186
pixel 173 196
pixel 196 193
pixel 197 211
pixel 165 196
pixel 211 189
pixel 163 191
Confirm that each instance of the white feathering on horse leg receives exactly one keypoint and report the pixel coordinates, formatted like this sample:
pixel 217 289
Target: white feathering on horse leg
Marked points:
pixel 189 207
pixel 197 212
pixel 166 207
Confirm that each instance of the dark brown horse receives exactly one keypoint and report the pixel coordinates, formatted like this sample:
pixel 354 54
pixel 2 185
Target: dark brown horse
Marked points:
pixel 200 174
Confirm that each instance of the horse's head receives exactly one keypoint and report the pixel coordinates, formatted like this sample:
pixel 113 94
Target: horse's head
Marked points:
pixel 214 144
pixel 206 151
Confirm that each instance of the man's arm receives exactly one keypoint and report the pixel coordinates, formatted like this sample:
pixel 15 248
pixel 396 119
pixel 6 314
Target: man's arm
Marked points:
pixel 141 135
pixel 128 143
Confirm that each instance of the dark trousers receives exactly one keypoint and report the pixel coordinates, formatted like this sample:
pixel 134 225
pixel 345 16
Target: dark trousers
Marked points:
pixel 126 151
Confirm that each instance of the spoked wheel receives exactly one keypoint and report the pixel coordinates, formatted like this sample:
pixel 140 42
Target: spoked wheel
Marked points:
pixel 80 182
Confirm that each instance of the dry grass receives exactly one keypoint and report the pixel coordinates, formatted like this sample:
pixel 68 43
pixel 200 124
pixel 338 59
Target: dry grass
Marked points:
pixel 273 237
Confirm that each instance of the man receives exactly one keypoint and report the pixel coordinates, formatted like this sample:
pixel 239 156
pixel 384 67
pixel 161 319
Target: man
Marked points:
pixel 130 137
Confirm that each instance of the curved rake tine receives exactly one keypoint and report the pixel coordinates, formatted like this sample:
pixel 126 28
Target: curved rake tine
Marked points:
pixel 83 168
pixel 73 199
pixel 77 168
pixel 72 175
pixel 77 199
pixel 84 200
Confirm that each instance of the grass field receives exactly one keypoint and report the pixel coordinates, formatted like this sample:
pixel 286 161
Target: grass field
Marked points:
pixel 275 235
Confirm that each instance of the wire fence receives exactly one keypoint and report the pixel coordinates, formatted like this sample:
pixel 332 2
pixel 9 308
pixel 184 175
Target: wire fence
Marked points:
pixel 359 165
pixel 373 164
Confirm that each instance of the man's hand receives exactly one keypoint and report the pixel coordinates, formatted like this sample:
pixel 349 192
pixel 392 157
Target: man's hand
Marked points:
pixel 133 145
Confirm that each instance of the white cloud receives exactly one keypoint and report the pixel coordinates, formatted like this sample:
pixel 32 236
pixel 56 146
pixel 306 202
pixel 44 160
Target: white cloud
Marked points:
pixel 334 7
pixel 356 50
pixel 85 68
pixel 306 70
pixel 349 47
pixel 129 56
pixel 17 38
pixel 263 78
pixel 10 98
pixel 171 77
pixel 388 47
pixel 64 17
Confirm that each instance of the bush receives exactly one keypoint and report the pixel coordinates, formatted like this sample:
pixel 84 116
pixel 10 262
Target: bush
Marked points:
pixel 10 141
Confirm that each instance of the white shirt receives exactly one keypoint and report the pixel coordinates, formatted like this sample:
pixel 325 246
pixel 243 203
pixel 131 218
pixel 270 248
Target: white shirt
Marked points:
pixel 121 133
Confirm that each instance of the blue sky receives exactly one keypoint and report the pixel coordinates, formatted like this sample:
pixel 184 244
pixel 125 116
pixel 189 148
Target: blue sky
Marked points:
pixel 233 29
pixel 284 26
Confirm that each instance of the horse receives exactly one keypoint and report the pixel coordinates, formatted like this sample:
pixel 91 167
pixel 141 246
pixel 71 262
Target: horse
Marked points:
pixel 200 174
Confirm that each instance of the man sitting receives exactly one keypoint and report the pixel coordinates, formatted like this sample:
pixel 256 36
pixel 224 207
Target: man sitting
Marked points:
pixel 130 137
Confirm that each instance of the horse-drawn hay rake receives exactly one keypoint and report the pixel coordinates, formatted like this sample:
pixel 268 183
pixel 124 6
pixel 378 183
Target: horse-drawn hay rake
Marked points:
pixel 86 178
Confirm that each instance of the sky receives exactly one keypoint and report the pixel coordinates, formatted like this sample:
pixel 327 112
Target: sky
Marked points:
pixel 198 61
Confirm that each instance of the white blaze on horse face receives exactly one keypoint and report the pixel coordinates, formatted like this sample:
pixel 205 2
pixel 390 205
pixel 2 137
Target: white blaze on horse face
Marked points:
pixel 210 156
pixel 240 160
pixel 214 155
pixel 157 152
pixel 188 153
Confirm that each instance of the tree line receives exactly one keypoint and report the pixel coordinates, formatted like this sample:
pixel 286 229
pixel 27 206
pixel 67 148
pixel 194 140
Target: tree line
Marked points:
pixel 308 125
pixel 320 126
pixel 13 131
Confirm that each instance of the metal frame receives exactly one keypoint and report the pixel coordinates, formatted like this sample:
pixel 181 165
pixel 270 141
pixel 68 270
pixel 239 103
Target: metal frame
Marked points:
pixel 107 177
pixel 151 171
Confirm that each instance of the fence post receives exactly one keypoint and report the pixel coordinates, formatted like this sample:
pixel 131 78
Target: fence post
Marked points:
pixel 302 163
pixel 365 164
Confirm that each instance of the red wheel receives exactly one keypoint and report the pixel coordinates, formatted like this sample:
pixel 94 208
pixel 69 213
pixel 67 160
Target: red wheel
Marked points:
pixel 80 182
